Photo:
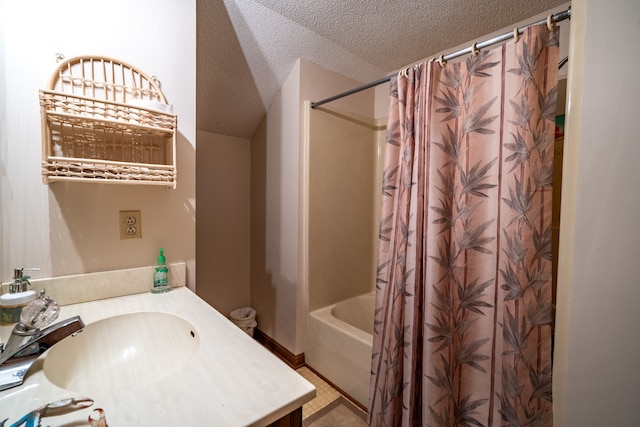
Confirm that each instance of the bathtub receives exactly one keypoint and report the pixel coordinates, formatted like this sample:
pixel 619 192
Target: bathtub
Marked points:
pixel 339 342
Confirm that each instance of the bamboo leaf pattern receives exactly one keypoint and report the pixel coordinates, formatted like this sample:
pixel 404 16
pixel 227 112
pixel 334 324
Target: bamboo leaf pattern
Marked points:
pixel 445 333
pixel 523 112
pixel 472 182
pixel 448 187
pixel 547 104
pixel 528 61
pixel 519 201
pixel 462 329
pixel 542 243
pixel 445 212
pixel 510 382
pixel 540 313
pixel 537 278
pixel 476 122
pixel 380 280
pixel 512 283
pixel 385 229
pixel 467 354
pixel 541 143
pixel 508 412
pixel 472 239
pixel 452 77
pixel 393 134
pixel 520 150
pixel 450 145
pixel 388 181
pixel 543 177
pixel 450 105
pixel 440 419
pixel 465 409
pixel 478 65
pixel 442 301
pixel 514 334
pixel 514 250
pixel 541 383
pixel 471 296
pixel 442 379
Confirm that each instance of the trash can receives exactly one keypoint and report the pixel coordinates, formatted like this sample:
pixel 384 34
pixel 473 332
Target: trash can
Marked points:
pixel 245 319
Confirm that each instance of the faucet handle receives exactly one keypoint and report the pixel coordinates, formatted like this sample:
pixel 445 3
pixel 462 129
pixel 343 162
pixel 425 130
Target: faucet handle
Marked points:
pixel 40 312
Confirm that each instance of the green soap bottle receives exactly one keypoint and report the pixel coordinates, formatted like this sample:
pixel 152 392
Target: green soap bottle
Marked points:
pixel 161 275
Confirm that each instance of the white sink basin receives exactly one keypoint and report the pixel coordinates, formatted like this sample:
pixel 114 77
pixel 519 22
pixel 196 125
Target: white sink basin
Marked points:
pixel 122 352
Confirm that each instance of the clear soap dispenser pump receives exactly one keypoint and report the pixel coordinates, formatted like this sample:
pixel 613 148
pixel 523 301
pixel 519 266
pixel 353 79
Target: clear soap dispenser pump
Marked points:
pixel 161 275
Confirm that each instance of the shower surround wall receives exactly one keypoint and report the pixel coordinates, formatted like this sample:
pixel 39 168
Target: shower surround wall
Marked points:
pixel 343 205
pixel 279 285
pixel 344 179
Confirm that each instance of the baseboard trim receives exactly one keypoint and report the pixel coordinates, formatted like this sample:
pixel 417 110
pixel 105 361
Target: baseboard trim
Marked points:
pixel 294 360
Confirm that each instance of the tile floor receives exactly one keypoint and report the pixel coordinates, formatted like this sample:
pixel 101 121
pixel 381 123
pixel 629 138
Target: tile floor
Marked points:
pixel 325 394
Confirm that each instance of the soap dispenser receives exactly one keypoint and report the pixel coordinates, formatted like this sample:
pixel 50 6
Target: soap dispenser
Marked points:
pixel 161 275
pixel 19 295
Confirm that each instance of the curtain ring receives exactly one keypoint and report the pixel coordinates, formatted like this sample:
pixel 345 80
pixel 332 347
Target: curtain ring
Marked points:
pixel 441 61
pixel 474 49
pixel 516 35
pixel 550 23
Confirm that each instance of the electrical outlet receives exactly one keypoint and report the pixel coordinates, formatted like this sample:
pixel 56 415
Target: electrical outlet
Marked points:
pixel 130 225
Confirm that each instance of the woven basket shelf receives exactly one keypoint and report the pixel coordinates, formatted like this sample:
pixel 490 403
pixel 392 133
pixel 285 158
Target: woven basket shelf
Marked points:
pixel 106 121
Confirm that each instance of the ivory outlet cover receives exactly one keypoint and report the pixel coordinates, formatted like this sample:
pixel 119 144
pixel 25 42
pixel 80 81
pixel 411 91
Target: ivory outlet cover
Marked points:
pixel 130 225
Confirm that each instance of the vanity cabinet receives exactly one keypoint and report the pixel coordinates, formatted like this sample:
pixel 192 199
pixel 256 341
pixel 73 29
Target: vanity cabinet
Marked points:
pixel 106 121
pixel 292 419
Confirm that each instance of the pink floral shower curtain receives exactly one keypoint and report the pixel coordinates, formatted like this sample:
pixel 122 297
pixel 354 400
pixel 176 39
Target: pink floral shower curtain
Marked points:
pixel 463 302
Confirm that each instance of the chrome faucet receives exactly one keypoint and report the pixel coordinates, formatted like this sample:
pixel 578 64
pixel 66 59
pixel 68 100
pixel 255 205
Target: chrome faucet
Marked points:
pixel 27 343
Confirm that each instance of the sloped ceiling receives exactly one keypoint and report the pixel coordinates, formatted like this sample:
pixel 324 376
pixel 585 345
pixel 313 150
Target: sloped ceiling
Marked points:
pixel 246 48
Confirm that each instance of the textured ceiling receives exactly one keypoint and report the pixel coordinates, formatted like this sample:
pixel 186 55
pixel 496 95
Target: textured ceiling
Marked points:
pixel 246 48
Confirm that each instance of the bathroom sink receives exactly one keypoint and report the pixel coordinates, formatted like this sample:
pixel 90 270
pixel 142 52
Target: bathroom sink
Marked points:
pixel 122 352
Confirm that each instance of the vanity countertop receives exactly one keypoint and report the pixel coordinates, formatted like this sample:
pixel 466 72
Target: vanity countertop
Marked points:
pixel 230 381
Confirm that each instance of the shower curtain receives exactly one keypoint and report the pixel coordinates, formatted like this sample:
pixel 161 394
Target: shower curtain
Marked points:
pixel 463 291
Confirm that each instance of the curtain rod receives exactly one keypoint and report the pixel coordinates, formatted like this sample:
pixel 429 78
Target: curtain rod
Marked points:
pixel 560 16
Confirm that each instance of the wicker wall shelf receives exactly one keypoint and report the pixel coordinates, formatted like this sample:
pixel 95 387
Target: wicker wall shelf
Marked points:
pixel 106 121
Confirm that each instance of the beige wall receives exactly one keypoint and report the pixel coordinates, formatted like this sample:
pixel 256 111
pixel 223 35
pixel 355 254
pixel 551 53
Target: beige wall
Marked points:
pixel 223 222
pixel 596 375
pixel 69 228
pixel 262 292
pixel 274 204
